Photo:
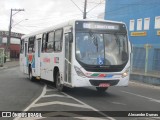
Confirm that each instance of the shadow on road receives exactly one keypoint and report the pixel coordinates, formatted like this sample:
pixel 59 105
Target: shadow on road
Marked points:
pixel 80 91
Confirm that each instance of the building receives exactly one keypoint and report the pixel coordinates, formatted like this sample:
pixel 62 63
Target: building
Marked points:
pixel 142 18
pixel 14 46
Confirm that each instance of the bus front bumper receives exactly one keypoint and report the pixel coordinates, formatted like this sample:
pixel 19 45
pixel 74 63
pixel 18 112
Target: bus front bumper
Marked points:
pixel 95 82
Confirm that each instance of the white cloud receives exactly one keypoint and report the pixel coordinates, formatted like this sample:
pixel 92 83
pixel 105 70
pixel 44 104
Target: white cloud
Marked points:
pixel 43 13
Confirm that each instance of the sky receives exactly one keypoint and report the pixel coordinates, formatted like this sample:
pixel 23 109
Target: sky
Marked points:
pixel 40 14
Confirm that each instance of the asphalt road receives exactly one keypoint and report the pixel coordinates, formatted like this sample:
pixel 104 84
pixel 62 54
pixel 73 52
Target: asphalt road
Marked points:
pixel 18 93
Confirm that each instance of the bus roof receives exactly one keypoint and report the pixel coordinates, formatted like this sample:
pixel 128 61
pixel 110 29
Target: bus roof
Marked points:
pixel 70 22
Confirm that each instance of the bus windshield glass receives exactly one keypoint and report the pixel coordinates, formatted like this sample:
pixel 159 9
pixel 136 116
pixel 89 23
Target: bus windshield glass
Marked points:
pixel 96 48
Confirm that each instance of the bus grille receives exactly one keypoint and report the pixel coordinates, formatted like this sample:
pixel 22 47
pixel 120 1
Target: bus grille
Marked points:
pixel 97 82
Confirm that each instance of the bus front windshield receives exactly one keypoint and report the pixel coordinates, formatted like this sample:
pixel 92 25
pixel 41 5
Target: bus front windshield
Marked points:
pixel 101 48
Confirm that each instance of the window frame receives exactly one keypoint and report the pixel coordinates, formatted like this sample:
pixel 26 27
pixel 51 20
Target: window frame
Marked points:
pixel 47 41
pixel 22 46
pixel 31 45
pixel 60 40
pixel 157 22
pixel 131 25
pixel 139 24
pixel 146 23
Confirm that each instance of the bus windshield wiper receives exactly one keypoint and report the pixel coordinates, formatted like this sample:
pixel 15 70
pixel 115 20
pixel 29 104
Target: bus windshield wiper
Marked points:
pixel 95 41
pixel 94 38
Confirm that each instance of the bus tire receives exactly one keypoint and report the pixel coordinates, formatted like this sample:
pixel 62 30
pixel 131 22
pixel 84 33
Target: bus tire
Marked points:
pixel 101 89
pixel 59 86
pixel 31 77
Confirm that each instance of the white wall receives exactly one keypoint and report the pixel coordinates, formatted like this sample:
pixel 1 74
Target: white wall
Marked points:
pixel 13 40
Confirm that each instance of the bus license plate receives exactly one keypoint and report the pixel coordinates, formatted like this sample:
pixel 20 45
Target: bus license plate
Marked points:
pixel 104 85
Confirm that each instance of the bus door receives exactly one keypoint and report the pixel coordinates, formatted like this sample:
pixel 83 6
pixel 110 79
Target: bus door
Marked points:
pixel 25 58
pixel 22 55
pixel 68 55
pixel 37 54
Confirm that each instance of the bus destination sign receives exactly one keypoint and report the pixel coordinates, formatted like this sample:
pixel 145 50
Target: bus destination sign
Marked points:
pixel 100 26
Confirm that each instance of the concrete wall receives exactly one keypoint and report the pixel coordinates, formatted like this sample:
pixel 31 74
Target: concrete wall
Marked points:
pixel 126 10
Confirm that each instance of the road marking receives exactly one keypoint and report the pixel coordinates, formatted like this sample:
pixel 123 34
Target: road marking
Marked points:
pixel 54 90
pixel 82 118
pixel 42 94
pixel 90 118
pixel 151 99
pixel 59 103
pixel 156 118
pixel 33 118
pixel 82 105
pixel 54 114
pixel 118 103
pixel 54 95
pixel 68 114
pixel 94 109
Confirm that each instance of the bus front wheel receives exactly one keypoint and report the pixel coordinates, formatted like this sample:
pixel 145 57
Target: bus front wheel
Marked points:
pixel 59 86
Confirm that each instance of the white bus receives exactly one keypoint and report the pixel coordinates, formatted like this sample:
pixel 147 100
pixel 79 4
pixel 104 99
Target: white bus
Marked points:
pixel 78 53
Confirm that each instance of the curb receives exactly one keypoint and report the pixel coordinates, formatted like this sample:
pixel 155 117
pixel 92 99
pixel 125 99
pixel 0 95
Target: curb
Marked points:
pixel 133 82
pixel 3 68
pixel 153 80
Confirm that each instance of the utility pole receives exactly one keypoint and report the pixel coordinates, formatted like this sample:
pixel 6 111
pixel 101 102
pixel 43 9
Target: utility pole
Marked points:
pixel 85 8
pixel 10 27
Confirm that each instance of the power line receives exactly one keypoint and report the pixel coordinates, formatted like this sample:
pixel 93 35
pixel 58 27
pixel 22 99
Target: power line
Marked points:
pixel 21 27
pixel 95 6
pixel 97 2
pixel 76 5
pixel 52 17
pixel 10 26
pixel 85 8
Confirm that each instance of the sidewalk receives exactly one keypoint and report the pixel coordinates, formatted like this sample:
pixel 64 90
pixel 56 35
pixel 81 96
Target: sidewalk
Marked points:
pixel 152 78
pixel 139 76
pixel 148 73
pixel 10 64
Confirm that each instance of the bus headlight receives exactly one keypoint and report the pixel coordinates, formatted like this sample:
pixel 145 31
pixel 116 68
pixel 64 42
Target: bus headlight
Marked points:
pixel 125 74
pixel 79 72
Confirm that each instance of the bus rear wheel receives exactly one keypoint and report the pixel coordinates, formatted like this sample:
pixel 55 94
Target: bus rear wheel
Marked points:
pixel 101 89
pixel 59 85
pixel 30 75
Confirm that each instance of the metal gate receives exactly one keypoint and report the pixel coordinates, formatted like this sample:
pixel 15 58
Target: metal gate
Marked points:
pixel 1 57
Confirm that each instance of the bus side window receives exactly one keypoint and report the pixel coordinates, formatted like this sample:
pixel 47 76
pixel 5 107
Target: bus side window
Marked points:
pixel 31 44
pixel 44 42
pixel 50 41
pixel 58 40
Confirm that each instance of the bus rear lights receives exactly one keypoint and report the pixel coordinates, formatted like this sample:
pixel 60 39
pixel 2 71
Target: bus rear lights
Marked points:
pixel 79 72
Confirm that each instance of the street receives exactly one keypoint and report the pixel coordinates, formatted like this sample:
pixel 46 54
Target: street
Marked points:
pixel 17 93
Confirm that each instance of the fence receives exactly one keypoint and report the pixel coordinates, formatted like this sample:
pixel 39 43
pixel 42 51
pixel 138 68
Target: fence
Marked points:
pixel 1 57
pixel 146 59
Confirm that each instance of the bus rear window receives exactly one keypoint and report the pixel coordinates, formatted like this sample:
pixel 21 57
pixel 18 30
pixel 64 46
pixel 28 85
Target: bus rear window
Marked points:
pixel 31 43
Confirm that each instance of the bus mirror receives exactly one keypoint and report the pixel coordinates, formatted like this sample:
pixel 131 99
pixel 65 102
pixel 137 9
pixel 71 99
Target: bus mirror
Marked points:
pixel 70 37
